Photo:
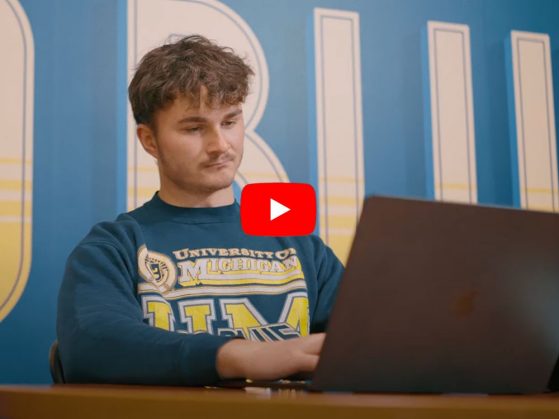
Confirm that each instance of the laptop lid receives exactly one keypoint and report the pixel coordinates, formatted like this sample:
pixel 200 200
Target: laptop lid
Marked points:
pixel 443 297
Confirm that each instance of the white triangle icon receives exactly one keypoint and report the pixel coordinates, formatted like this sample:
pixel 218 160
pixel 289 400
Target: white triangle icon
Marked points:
pixel 277 209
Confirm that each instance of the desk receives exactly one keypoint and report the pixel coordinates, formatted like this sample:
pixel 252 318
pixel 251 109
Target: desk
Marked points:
pixel 88 401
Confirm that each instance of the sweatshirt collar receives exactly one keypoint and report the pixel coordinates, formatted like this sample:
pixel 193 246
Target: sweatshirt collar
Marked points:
pixel 194 215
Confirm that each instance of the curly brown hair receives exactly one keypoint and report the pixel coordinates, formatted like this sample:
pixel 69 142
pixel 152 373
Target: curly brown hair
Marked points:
pixel 184 68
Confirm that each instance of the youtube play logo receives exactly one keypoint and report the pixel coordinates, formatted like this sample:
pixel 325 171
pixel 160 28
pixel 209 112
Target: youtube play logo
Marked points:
pixel 278 209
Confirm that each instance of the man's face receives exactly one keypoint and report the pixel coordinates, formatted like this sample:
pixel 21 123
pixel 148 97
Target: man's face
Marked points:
pixel 198 149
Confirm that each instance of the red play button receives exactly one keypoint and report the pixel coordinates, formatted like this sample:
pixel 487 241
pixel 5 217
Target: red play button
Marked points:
pixel 278 209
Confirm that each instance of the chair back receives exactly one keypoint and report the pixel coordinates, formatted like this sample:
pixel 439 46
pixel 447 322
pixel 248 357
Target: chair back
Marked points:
pixel 55 364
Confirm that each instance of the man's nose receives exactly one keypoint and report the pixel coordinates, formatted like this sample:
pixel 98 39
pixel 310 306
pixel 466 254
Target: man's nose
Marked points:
pixel 216 142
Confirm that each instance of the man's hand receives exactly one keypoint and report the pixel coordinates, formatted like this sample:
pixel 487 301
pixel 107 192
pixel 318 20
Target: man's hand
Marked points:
pixel 269 360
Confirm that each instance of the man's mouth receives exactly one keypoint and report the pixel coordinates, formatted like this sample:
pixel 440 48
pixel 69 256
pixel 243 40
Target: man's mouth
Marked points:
pixel 219 163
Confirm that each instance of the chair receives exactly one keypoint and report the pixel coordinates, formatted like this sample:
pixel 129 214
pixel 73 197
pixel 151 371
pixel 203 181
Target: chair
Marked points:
pixel 56 371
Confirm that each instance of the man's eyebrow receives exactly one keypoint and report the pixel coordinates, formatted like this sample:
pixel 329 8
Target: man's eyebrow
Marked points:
pixel 196 118
pixel 192 119
pixel 233 114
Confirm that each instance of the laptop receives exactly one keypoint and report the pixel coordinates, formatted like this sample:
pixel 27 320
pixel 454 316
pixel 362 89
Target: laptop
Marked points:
pixel 444 298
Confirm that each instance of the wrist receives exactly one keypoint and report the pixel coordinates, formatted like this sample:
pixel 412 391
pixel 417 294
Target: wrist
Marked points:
pixel 231 358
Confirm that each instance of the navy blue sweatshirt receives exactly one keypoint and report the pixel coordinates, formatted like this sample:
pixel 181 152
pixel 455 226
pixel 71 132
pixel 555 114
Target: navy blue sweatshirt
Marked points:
pixel 152 296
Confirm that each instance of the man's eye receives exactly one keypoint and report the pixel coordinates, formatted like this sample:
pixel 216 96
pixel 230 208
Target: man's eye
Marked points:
pixel 193 130
pixel 228 123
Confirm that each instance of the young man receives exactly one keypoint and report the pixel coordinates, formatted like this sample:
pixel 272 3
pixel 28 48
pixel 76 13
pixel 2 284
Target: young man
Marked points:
pixel 174 292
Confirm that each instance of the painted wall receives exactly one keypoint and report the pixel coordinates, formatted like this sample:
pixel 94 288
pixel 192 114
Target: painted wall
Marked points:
pixel 80 119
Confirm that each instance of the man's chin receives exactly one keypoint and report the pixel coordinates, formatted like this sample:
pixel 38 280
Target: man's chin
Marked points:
pixel 216 186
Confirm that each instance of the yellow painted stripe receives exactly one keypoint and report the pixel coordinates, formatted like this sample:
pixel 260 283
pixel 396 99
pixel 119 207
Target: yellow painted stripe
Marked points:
pixel 341 200
pixel 13 208
pixel 148 169
pixel 259 175
pixel 143 190
pixel 10 249
pixel 546 208
pixel 13 160
pixel 340 179
pixel 13 259
pixel 343 221
pixel 341 245
pixel 15 184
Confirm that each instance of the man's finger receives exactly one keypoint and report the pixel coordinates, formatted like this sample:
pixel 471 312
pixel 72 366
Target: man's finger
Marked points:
pixel 308 363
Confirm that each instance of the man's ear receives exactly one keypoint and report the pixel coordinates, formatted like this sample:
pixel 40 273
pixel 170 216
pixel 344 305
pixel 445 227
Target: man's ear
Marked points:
pixel 147 138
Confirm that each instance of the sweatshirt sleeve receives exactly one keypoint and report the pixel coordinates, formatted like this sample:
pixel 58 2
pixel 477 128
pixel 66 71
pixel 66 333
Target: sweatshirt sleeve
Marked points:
pixel 103 338
pixel 329 274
